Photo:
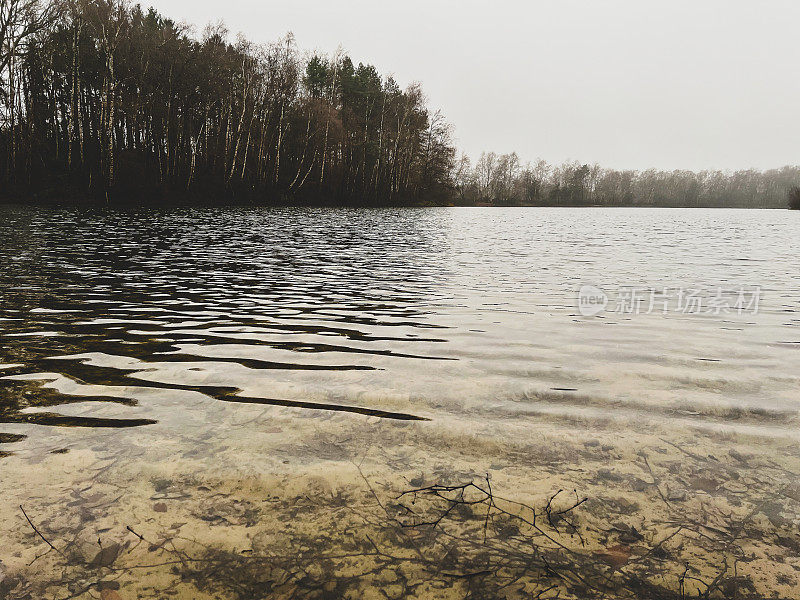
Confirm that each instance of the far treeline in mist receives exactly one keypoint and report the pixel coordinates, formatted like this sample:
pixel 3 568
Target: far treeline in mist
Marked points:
pixel 101 100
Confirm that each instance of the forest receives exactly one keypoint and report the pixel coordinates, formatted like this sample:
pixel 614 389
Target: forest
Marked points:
pixel 109 101
pixel 503 180
pixel 103 101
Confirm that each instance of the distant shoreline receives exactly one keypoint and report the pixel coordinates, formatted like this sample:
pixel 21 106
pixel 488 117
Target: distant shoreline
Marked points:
pixel 159 201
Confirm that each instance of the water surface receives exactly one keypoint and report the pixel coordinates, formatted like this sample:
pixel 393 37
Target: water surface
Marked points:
pixel 444 342
pixel 432 309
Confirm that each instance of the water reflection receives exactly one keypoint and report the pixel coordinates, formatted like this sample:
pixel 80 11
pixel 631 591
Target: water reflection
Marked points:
pixel 164 286
pixel 449 308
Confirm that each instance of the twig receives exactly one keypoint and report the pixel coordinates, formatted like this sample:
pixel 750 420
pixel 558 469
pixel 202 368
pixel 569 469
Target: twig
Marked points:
pixel 39 533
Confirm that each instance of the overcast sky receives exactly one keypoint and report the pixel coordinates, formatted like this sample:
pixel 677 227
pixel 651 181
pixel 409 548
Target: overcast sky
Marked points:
pixel 689 84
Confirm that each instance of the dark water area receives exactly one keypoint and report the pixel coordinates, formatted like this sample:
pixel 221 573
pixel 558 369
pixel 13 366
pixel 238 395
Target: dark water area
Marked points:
pixel 139 285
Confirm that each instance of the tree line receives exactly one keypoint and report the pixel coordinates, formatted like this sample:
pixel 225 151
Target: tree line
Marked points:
pixel 101 99
pixel 501 179
pixel 104 98
pixel 794 198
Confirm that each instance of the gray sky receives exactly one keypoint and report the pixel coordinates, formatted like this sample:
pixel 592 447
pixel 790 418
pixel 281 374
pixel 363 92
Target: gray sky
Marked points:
pixel 627 83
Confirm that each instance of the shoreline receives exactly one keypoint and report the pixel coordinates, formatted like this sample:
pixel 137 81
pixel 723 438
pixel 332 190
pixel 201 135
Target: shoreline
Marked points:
pixel 87 202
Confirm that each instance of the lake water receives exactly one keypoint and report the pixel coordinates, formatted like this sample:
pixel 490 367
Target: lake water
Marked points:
pixel 153 361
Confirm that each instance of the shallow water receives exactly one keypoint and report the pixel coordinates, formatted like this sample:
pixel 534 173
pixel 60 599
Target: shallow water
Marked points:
pixel 447 342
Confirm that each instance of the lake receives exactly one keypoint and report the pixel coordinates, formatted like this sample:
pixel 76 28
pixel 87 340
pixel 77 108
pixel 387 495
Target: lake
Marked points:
pixel 253 388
